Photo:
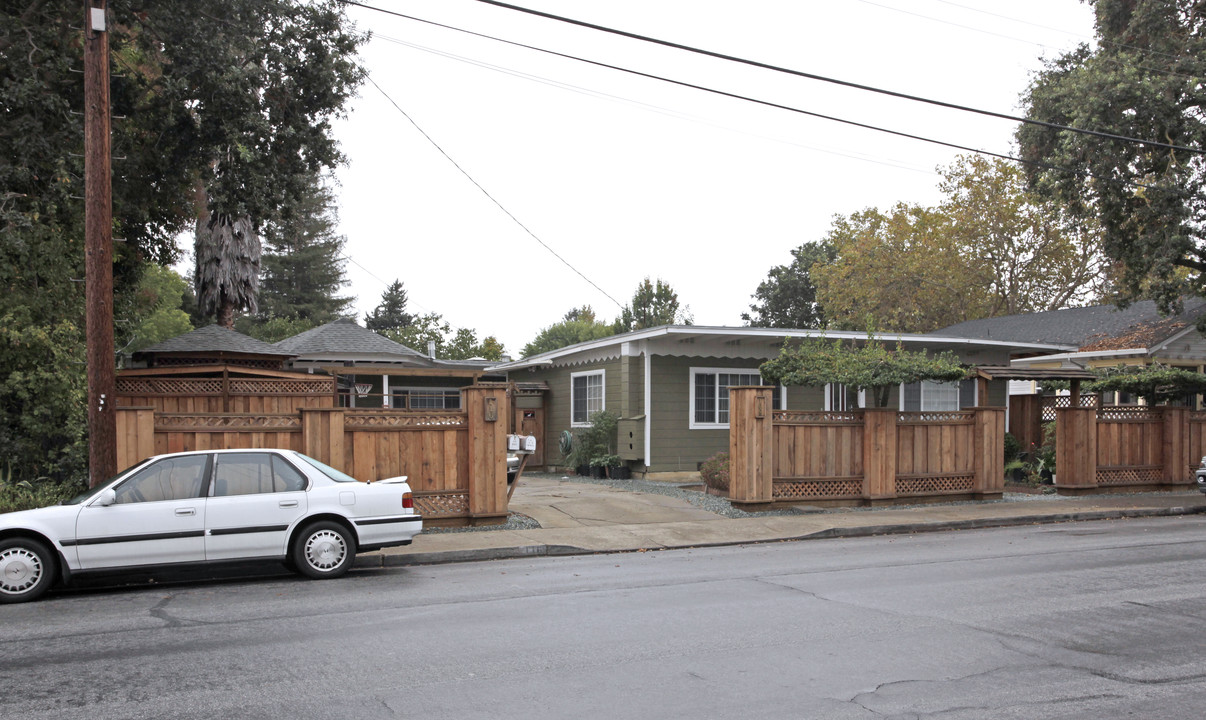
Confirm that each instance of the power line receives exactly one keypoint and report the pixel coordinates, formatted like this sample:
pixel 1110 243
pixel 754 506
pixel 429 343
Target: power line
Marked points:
pixel 767 103
pixel 491 197
pixel 833 81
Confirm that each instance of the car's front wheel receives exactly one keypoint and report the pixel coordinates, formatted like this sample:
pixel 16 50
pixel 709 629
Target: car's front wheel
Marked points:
pixel 26 570
pixel 323 549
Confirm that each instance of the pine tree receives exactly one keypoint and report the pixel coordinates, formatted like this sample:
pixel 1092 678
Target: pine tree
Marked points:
pixel 391 314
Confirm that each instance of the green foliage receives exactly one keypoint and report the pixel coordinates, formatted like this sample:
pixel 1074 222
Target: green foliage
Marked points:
pixel 1155 383
pixel 154 312
pixel 715 472
pixel 303 264
pixel 1012 448
pixel 652 305
pixel 578 325
pixel 390 314
pixel 595 442
pixel 39 492
pixel 788 297
pixel 868 366
pixel 459 345
pixel 272 329
pixel 1142 78
pixel 990 248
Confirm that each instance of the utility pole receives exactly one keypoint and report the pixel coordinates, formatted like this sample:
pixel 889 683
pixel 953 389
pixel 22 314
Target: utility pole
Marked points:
pixel 98 247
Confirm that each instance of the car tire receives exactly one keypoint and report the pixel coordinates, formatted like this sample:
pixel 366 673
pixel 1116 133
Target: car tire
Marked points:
pixel 27 570
pixel 322 550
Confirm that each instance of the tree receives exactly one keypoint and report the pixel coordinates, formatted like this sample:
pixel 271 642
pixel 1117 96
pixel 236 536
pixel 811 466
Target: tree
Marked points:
pixel 391 313
pixel 303 266
pixel 461 344
pixel 1141 80
pixel 1155 383
pixel 154 313
pixel 788 297
pixel 227 270
pixel 870 366
pixel 990 248
pixel 578 325
pixel 651 306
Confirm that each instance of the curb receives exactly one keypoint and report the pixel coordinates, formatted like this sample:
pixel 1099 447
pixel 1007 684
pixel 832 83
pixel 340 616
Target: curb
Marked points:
pixel 542 550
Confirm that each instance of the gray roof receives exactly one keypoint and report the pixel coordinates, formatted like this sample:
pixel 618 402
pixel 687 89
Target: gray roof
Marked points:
pixel 215 338
pixel 1082 326
pixel 344 336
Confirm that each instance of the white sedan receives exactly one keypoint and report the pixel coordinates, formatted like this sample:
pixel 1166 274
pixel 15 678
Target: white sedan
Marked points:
pixel 213 506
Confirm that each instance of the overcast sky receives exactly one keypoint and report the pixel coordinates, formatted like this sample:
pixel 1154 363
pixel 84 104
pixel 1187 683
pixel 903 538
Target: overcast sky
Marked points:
pixel 623 177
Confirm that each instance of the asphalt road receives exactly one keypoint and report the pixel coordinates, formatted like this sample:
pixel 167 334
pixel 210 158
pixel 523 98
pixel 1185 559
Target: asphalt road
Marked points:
pixel 1080 620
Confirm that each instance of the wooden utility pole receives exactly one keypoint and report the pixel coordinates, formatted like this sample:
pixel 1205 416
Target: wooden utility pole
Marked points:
pixel 98 247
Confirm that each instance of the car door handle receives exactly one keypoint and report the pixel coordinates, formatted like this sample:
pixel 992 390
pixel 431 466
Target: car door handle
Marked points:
pixel 183 512
pixel 288 503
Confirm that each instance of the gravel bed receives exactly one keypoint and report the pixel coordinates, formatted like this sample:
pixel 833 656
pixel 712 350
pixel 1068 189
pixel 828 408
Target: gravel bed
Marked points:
pixel 516 521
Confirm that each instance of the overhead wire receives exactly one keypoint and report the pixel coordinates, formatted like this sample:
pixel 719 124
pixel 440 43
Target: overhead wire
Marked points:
pixel 492 199
pixel 767 103
pixel 823 78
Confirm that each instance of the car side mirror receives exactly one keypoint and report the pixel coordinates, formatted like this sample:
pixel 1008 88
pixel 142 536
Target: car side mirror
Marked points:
pixel 106 497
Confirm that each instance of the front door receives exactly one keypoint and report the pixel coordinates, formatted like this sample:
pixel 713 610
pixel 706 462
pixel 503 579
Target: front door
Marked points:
pixel 158 518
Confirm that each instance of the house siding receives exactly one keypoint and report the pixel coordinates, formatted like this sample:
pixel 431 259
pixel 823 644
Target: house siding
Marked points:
pixel 557 399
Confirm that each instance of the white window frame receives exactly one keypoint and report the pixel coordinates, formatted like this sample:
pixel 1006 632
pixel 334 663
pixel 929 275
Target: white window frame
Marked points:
pixel 397 392
pixel 602 373
pixel 921 399
pixel 780 392
pixel 861 400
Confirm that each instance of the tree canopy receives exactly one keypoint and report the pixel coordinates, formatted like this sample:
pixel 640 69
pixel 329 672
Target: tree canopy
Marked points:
pixel 653 304
pixel 390 313
pixel 990 248
pixel 450 344
pixel 868 366
pixel 578 325
pixel 1155 383
pixel 788 296
pixel 1142 79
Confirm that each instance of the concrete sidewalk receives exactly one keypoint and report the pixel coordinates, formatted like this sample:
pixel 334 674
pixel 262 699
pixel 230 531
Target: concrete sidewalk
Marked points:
pixel 583 518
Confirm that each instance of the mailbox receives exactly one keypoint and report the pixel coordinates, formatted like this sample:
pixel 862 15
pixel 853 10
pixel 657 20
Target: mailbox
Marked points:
pixel 529 444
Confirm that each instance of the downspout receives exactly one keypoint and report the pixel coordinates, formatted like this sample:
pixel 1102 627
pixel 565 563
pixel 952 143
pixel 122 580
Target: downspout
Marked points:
pixel 648 407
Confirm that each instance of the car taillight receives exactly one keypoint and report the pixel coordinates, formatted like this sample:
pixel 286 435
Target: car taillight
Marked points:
pixel 408 500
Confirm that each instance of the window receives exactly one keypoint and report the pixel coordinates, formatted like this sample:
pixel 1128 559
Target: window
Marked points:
pixel 929 396
pixel 839 398
pixel 254 473
pixel 710 394
pixel 586 396
pixel 177 478
pixel 427 399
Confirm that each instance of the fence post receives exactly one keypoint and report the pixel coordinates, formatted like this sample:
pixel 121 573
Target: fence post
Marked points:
pixel 751 440
pixel 879 453
pixel 989 450
pixel 1176 460
pixel 1075 450
pixel 135 435
pixel 322 436
pixel 486 405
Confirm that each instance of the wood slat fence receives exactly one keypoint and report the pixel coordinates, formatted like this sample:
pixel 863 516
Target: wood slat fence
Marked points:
pixel 1127 448
pixel 860 457
pixel 455 461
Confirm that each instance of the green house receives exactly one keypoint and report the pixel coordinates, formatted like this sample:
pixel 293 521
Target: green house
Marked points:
pixel 669 386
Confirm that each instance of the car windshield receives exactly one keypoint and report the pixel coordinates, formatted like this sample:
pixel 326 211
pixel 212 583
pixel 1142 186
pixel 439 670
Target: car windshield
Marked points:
pixel 95 489
pixel 327 470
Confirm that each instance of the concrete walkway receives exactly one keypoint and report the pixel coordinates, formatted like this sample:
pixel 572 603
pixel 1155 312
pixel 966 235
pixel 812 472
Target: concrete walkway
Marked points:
pixel 582 518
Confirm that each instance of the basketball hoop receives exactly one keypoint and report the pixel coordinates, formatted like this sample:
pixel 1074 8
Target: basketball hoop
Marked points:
pixel 362 389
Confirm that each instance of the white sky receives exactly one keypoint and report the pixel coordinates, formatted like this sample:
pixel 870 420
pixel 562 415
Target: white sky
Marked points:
pixel 626 177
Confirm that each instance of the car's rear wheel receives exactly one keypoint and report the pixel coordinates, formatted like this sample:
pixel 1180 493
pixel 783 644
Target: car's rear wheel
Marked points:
pixel 322 550
pixel 26 570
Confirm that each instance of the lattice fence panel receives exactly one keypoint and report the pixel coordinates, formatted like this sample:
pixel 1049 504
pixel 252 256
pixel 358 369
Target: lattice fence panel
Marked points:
pixel 169 421
pixel 1130 476
pixel 280 387
pixel 1051 402
pixel 935 417
pixel 796 417
pixel 175 386
pixel 807 489
pixel 442 505
pixel 368 420
pixel 934 485
pixel 1128 414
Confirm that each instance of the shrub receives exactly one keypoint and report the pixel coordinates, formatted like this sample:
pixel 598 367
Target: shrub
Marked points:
pixel 26 494
pixel 715 472
pixel 1012 448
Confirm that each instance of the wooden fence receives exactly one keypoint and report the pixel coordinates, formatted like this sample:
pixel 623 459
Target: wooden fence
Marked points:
pixel 1127 448
pixel 455 461
pixel 860 457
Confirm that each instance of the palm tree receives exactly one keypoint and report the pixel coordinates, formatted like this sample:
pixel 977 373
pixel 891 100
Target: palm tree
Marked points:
pixel 227 276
